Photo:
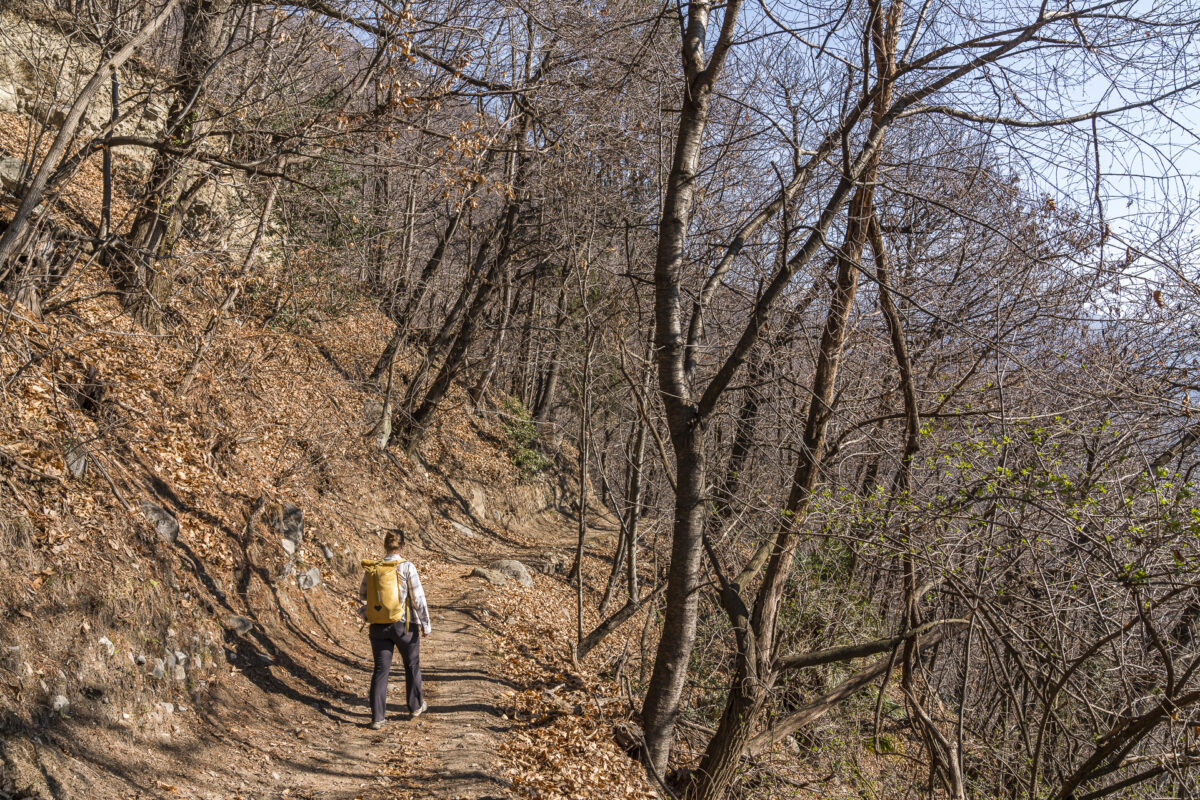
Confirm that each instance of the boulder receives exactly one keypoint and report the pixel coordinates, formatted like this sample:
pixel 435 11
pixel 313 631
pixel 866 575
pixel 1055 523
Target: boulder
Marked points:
pixel 515 570
pixel 381 433
pixel 494 577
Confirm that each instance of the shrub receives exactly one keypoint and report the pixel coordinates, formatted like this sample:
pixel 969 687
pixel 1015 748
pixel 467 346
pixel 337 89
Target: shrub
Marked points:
pixel 522 432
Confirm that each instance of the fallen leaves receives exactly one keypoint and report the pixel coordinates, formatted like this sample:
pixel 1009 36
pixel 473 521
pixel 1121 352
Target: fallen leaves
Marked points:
pixel 561 744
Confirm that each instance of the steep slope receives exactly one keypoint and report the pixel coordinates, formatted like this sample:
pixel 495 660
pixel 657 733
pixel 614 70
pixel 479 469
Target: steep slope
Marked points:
pixel 141 659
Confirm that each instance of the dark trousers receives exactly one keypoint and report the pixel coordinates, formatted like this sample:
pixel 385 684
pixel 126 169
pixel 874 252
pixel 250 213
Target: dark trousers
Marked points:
pixel 383 639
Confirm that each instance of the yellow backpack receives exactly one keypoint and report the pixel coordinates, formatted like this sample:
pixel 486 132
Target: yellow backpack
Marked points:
pixel 383 592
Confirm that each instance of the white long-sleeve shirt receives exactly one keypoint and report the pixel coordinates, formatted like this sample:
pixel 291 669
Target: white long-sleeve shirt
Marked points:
pixel 407 577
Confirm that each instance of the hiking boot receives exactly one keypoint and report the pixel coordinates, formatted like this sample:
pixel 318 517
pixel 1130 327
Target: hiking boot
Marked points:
pixel 376 725
pixel 420 710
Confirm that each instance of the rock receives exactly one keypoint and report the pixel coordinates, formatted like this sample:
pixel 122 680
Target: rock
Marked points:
pixel 10 174
pixel 552 564
pixel 515 570
pixel 171 662
pixel 8 101
pixel 160 669
pixel 327 552
pixel 167 708
pixel 478 503
pixel 181 657
pixel 289 546
pixel 464 530
pixel 60 703
pixel 310 579
pixel 108 646
pixel 12 658
pixel 381 433
pixel 179 673
pixel 291 524
pixel 492 576
pixel 239 625
pixel 76 458
pixel 629 737
pixel 140 661
pixel 163 521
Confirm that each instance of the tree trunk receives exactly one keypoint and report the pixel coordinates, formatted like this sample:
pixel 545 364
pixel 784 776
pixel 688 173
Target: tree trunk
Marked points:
pixel 745 431
pixel 636 492
pixel 145 281
pixel 661 706
pixel 757 651
pixel 687 427
pixel 585 421
pixel 415 426
pixel 449 329
pixel 404 317
pixel 548 386
pixel 497 346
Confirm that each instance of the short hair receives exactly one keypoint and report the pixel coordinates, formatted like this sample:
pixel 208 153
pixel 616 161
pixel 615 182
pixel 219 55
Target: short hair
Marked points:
pixel 393 540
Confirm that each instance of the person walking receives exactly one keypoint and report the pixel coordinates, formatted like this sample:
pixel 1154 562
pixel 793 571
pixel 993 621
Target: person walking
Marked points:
pixel 394 605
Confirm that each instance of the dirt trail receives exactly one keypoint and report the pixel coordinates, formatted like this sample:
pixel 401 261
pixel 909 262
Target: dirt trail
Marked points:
pixel 289 718
pixel 448 752
pixel 293 724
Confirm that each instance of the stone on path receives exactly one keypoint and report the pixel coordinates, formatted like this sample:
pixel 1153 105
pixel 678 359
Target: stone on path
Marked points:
pixel 494 577
pixel 515 570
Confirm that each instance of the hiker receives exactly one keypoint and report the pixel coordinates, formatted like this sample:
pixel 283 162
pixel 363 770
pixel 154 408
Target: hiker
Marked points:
pixel 395 607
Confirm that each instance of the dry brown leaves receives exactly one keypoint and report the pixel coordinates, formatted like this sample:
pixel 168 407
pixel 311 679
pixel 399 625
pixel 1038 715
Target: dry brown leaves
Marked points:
pixel 561 743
